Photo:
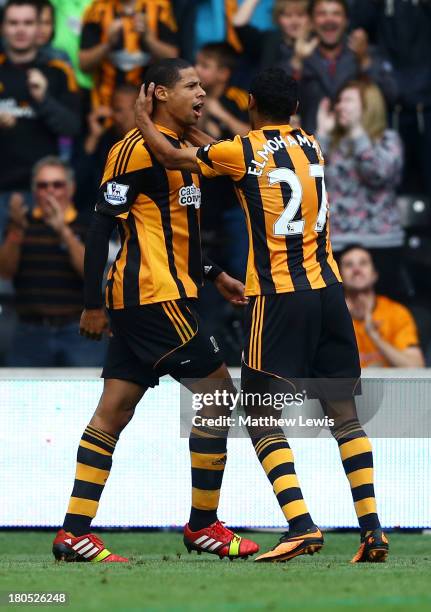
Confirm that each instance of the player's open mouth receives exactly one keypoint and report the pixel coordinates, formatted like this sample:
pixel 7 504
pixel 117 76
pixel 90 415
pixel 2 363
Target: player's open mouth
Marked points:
pixel 197 109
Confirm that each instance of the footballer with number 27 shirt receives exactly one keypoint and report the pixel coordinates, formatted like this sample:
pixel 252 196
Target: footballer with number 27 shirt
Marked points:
pixel 298 325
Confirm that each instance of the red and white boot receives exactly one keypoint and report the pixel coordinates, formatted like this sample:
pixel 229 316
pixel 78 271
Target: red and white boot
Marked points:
pixel 85 548
pixel 219 540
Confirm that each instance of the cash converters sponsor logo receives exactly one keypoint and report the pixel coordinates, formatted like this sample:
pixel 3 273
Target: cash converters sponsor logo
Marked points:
pixel 190 196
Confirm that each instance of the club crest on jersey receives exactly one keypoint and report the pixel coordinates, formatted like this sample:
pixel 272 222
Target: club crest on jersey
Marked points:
pixel 116 193
pixel 190 195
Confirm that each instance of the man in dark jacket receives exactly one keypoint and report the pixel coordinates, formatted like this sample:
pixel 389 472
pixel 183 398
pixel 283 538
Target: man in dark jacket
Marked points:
pixel 38 101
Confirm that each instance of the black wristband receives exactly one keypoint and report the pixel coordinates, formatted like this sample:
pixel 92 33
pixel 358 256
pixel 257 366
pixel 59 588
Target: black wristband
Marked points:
pixel 211 270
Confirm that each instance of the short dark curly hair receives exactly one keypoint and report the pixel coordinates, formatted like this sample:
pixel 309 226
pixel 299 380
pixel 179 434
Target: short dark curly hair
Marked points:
pixel 275 93
pixel 165 72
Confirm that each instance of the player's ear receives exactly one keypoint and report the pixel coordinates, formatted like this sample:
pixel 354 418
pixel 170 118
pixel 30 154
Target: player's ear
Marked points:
pixel 251 102
pixel 161 93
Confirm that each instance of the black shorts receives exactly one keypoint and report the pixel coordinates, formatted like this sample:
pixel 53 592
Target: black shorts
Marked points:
pixel 301 335
pixel 157 339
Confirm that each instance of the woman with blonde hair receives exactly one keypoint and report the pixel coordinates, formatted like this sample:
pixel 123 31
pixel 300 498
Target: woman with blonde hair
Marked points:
pixel 364 162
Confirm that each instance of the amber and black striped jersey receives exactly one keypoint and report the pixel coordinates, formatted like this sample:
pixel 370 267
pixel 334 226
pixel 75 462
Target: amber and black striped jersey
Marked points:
pixel 157 211
pixel 128 59
pixel 279 179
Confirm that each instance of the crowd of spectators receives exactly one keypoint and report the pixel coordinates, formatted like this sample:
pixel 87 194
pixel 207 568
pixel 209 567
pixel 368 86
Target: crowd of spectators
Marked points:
pixel 69 76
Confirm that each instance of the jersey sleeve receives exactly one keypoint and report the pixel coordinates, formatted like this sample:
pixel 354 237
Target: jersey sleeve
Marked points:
pixel 406 334
pixel 123 178
pixel 224 158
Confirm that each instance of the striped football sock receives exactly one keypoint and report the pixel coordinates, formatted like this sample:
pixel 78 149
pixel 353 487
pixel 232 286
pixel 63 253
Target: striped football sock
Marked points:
pixel 94 463
pixel 357 457
pixel 276 457
pixel 208 459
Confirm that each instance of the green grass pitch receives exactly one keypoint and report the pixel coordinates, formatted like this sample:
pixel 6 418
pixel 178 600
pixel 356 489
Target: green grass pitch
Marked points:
pixel 162 576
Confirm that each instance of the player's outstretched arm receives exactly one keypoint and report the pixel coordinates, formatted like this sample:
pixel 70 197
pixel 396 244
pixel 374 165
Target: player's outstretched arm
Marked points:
pixel 168 156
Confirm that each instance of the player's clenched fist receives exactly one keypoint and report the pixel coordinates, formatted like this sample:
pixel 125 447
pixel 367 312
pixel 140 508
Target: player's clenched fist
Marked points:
pixel 94 323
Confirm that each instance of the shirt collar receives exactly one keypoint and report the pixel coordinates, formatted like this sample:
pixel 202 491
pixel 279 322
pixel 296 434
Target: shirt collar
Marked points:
pixel 167 131
pixel 285 126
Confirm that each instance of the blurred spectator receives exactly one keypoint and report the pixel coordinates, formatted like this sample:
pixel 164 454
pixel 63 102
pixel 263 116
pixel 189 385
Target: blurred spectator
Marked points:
pixel 225 111
pixel 46 33
pixel 68 25
pixel 363 169
pixel 120 38
pixel 329 59
pixel 212 21
pixel 90 159
pixel 402 29
pixel 385 330
pixel 43 253
pixel 38 101
pixel 268 48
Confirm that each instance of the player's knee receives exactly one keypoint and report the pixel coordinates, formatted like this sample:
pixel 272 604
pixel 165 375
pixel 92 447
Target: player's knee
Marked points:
pixel 110 420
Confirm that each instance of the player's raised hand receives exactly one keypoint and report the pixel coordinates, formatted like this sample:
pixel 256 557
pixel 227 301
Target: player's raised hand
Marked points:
pixel 231 289
pixel 94 323
pixel 144 104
